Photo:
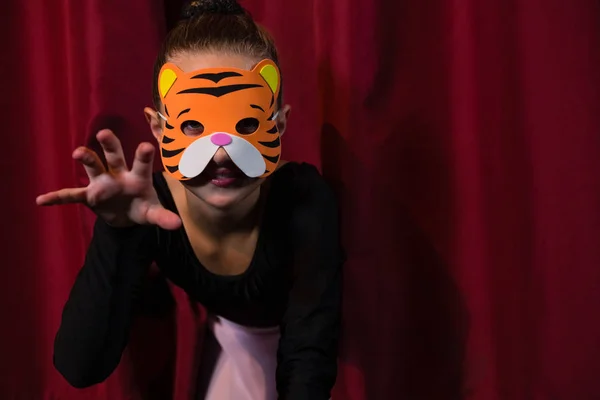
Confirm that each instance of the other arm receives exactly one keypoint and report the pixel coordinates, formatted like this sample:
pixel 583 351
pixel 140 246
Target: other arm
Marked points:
pixel 307 356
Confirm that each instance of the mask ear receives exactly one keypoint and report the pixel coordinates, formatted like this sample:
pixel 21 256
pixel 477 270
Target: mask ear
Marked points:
pixel 270 73
pixel 166 78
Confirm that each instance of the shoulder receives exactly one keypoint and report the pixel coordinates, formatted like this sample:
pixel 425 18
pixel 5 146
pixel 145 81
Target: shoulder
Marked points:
pixel 303 181
pixel 314 221
pixel 309 199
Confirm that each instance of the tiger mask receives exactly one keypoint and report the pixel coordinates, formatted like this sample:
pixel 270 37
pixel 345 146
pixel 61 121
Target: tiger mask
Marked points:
pixel 227 108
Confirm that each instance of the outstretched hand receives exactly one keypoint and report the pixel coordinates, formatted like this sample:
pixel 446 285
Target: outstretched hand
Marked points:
pixel 121 196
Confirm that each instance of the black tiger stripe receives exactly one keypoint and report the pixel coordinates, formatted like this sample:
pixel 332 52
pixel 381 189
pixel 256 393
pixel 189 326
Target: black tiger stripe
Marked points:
pixel 170 153
pixel 172 169
pixel 271 117
pixel 167 111
pixel 272 159
pixel 183 112
pixel 220 90
pixel 272 101
pixel 216 78
pixel 272 144
pixel 257 107
pixel 273 129
pixel 167 140
pixel 167 125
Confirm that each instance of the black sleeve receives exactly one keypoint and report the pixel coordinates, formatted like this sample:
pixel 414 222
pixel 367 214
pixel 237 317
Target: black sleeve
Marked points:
pixel 307 355
pixel 97 316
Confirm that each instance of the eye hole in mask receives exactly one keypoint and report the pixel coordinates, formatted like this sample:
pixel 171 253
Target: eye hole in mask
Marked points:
pixel 247 126
pixel 192 128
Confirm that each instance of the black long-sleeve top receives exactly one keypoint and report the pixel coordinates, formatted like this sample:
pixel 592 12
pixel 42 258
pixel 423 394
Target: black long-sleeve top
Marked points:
pixel 294 281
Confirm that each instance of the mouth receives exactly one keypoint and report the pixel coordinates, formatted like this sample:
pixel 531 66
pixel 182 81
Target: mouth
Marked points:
pixel 226 175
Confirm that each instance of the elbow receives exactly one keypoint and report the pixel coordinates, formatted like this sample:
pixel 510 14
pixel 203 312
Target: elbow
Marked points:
pixel 76 367
pixel 77 377
pixel 306 382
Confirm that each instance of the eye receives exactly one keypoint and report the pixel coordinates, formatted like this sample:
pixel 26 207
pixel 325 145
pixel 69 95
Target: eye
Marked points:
pixel 247 126
pixel 192 128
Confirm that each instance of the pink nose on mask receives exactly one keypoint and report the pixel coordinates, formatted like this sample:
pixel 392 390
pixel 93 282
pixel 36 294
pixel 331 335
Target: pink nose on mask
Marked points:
pixel 220 139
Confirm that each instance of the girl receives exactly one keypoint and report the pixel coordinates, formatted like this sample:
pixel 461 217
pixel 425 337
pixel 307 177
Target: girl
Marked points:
pixel 258 248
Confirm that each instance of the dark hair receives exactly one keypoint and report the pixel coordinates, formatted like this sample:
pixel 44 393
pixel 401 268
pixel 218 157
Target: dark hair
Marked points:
pixel 215 25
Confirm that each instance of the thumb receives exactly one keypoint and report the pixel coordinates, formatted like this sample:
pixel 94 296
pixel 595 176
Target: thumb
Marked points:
pixel 158 215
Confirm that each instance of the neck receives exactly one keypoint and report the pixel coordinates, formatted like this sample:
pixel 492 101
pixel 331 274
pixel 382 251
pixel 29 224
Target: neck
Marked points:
pixel 218 222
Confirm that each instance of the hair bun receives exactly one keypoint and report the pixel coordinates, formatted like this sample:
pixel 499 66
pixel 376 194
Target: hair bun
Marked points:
pixel 200 7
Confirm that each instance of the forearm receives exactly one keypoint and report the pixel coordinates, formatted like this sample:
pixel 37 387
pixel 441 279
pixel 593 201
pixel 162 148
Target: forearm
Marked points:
pixel 308 350
pixel 97 316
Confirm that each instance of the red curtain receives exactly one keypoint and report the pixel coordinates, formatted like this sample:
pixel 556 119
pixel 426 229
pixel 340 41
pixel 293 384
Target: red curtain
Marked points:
pixel 462 138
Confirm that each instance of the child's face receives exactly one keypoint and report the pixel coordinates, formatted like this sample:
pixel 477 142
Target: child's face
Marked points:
pixel 221 184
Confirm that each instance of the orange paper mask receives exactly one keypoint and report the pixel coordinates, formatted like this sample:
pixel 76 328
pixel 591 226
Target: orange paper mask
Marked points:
pixel 229 108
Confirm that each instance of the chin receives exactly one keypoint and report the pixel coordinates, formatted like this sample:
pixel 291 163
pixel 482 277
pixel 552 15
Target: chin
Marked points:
pixel 224 198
